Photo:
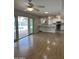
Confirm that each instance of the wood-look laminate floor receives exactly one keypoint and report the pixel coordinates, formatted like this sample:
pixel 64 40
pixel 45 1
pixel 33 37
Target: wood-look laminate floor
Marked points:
pixel 40 46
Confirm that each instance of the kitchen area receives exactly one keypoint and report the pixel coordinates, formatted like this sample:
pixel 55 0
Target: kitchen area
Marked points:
pixel 52 24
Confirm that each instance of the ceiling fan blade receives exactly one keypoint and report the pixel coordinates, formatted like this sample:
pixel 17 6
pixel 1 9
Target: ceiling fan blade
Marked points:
pixel 40 6
pixel 31 4
pixel 36 9
pixel 27 4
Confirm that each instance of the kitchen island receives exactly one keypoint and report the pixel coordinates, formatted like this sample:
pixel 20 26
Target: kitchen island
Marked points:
pixel 50 27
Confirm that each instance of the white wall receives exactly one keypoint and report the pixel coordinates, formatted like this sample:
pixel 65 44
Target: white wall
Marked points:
pixel 52 19
pixel 37 22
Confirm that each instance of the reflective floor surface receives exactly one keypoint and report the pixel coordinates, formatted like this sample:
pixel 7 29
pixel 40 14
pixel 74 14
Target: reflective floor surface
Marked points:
pixel 40 46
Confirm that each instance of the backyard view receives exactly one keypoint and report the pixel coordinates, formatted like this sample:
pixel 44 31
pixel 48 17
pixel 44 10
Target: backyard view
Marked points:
pixel 23 28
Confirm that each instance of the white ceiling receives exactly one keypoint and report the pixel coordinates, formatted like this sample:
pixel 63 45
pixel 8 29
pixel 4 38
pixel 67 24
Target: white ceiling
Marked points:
pixel 51 6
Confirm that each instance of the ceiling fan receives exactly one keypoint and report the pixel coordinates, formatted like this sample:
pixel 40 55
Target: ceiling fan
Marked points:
pixel 30 6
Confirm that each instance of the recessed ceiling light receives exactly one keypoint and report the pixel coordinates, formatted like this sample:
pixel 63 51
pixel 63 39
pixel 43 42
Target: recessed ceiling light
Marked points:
pixel 46 12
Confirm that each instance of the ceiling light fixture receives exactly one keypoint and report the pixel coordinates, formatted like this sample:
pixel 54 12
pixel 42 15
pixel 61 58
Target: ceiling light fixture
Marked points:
pixel 30 9
pixel 46 12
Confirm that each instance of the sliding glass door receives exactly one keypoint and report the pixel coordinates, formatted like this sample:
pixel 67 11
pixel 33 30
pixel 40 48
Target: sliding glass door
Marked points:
pixel 14 29
pixel 31 25
pixel 22 26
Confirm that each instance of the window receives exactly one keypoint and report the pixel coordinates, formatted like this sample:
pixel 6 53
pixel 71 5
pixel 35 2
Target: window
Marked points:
pixel 43 20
